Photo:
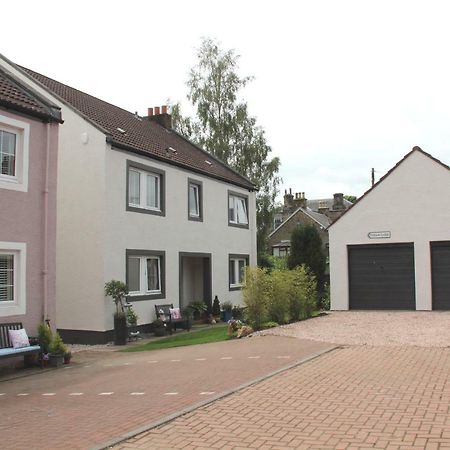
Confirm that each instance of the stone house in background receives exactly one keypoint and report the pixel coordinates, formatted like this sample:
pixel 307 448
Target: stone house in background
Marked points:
pixel 138 202
pixel 28 161
pixel 298 211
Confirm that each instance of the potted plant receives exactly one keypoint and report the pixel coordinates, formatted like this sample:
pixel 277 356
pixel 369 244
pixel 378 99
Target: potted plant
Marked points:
pixel 132 319
pixel 216 308
pixel 188 315
pixel 198 309
pixel 118 290
pixel 57 351
pixel 45 336
pixel 227 308
pixel 159 327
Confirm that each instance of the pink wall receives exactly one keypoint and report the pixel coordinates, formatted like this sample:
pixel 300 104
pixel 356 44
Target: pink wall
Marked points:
pixel 24 222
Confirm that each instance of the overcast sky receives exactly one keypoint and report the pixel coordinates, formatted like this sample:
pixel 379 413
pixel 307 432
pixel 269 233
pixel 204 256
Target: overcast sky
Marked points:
pixel 340 86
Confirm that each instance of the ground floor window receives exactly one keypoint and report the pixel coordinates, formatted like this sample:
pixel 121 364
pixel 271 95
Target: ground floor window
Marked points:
pixel 12 278
pixel 237 265
pixel 145 274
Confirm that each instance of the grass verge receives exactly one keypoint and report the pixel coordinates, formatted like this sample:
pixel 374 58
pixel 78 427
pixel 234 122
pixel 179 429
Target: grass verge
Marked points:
pixel 213 334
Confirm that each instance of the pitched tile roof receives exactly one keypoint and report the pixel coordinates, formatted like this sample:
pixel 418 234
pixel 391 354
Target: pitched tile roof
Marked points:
pixel 130 132
pixel 15 96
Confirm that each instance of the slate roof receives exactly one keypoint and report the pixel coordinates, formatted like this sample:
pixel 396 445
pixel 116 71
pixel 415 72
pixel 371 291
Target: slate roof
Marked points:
pixel 328 202
pixel 130 132
pixel 321 219
pixel 17 97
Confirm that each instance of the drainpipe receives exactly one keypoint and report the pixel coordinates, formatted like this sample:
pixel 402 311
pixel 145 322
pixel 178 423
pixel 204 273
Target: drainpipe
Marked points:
pixel 45 271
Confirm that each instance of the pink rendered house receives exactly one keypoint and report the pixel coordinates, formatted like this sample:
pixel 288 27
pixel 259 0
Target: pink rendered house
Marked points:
pixel 28 165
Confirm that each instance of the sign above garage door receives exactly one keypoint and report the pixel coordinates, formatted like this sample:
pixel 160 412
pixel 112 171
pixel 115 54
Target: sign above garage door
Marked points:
pixel 379 234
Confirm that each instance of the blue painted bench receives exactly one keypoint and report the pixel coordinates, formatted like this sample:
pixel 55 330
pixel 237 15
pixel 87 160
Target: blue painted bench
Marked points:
pixel 6 348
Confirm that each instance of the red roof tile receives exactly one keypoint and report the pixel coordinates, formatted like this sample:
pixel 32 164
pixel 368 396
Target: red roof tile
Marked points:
pixel 136 134
pixel 13 95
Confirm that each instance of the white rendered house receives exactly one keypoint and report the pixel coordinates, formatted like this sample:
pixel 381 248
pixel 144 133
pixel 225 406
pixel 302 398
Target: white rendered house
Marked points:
pixel 137 202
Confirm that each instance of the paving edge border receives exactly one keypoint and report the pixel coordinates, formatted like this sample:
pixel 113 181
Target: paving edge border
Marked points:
pixel 169 418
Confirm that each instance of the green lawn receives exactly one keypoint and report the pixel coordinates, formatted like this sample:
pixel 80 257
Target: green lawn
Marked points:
pixel 213 334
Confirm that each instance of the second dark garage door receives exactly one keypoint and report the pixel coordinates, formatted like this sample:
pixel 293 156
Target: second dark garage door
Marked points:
pixel 381 276
pixel 440 271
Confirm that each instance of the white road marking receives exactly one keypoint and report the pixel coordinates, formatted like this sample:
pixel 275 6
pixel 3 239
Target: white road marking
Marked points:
pixel 2 393
pixel 175 360
pixel 49 394
pixel 22 395
pixel 200 359
pixel 254 357
pixel 171 393
pixel 106 365
pixel 76 393
pixel 207 393
pixel 137 393
pixel 106 393
pixel 152 361
pixel 226 357
pixel 68 367
pixel 127 364
pixel 89 365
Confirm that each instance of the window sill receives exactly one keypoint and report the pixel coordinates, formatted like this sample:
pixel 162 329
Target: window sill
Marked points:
pixel 238 225
pixel 155 212
pixel 195 218
pixel 235 287
pixel 139 297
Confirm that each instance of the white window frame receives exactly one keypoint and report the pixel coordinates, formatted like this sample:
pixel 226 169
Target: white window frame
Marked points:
pixel 196 189
pixel 18 182
pixel 235 260
pixel 233 215
pixel 143 280
pixel 18 306
pixel 143 184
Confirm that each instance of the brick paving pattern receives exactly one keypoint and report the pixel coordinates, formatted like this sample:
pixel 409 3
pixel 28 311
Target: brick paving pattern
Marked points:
pixel 352 398
pixel 136 390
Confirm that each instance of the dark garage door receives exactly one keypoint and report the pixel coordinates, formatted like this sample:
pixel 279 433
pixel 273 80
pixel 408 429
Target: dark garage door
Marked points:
pixel 382 276
pixel 440 274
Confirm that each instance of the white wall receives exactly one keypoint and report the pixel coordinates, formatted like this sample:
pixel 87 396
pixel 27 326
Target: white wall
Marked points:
pixel 80 302
pixel 173 233
pixel 413 203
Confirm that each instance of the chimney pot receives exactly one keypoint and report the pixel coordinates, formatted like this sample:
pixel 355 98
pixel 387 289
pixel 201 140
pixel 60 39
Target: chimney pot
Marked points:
pixel 290 191
pixel 164 109
pixel 157 110
pixel 149 112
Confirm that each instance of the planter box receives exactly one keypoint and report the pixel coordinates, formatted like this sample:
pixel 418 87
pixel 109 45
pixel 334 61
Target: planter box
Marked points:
pixel 120 330
pixel 56 360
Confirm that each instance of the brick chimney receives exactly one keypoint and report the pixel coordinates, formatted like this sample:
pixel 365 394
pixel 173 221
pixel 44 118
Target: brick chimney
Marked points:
pixel 338 202
pixel 160 116
pixel 288 199
pixel 300 200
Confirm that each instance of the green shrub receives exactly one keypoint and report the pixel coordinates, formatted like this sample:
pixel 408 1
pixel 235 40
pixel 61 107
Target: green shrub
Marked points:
pixel 238 312
pixel 117 290
pixel 57 346
pixel 45 336
pixel 216 307
pixel 303 293
pixel 325 302
pixel 278 301
pixel 198 309
pixel 269 325
pixel 256 294
pixel 227 306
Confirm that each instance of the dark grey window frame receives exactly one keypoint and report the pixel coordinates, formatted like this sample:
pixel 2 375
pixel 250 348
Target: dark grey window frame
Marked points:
pixel 162 256
pixel 162 188
pixel 236 256
pixel 244 196
pixel 200 200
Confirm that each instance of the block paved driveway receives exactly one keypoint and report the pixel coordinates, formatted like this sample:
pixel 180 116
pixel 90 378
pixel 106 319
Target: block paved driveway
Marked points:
pixel 388 387
pixel 108 394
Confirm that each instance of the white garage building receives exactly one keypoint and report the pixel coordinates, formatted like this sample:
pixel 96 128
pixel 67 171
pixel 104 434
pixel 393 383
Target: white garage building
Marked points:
pixel 391 250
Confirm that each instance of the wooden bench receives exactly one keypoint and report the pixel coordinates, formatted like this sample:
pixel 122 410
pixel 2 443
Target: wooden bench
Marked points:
pixel 6 348
pixel 163 313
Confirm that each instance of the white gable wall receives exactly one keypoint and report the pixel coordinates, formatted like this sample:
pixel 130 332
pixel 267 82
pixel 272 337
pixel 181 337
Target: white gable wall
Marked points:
pixel 413 204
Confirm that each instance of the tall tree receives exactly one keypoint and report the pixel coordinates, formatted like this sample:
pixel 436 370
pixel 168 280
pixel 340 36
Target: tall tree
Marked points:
pixel 307 249
pixel 223 126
